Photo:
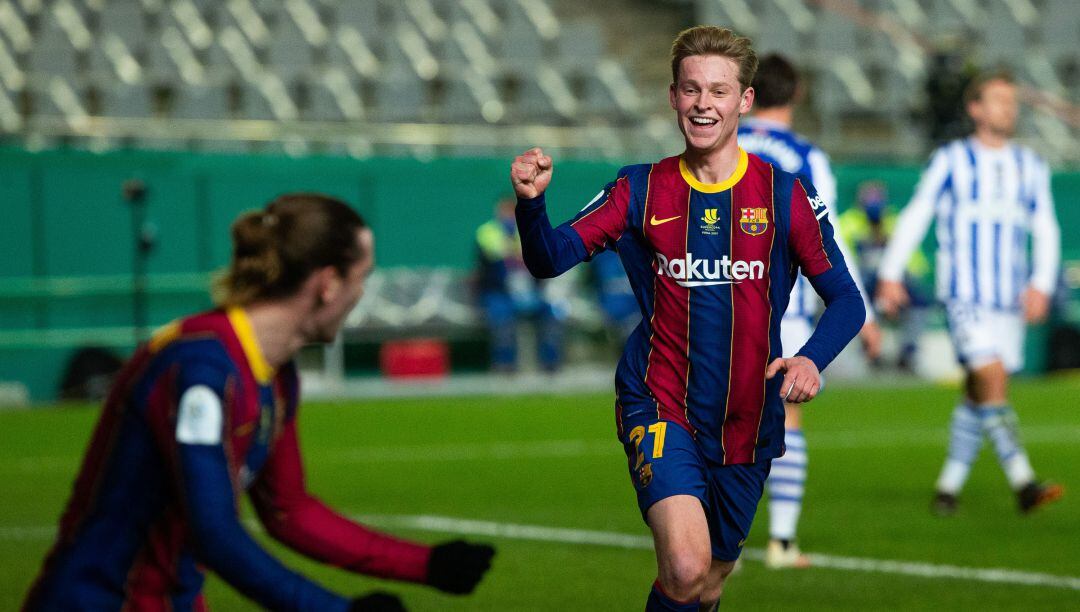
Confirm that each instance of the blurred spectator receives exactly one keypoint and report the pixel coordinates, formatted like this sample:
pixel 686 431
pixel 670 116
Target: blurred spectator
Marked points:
pixel 509 294
pixel 866 227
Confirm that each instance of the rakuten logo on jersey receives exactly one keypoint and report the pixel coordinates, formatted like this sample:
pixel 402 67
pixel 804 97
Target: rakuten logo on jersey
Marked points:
pixel 692 272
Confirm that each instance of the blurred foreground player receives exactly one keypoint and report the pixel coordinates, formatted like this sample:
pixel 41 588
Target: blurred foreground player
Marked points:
pixel 990 197
pixel 206 411
pixel 711 241
pixel 768 135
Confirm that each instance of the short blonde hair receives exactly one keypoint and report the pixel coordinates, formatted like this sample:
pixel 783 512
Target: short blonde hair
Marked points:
pixel 713 40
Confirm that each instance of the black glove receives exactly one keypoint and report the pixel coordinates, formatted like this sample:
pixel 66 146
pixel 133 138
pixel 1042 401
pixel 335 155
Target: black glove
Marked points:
pixel 456 567
pixel 377 602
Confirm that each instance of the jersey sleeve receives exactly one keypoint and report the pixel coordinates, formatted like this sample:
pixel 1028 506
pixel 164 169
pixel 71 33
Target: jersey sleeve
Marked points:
pixel 549 251
pixel 817 254
pixel 824 182
pixel 1046 248
pixel 207 494
pixel 603 220
pixel 305 524
pixel 915 219
pixel 811 240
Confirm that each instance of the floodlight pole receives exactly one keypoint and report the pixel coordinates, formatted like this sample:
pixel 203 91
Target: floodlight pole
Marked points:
pixel 144 235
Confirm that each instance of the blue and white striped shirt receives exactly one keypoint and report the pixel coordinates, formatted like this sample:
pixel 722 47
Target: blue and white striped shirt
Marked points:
pixel 782 147
pixel 988 204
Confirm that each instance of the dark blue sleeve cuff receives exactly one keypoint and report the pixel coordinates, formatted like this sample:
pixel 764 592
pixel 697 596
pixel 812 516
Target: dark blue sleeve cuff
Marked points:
pixel 842 319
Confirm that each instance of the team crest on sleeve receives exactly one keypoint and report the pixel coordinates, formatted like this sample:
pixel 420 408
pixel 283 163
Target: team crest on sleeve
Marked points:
pixel 754 221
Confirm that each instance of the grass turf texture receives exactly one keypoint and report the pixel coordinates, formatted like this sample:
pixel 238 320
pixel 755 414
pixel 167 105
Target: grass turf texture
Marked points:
pixel 554 461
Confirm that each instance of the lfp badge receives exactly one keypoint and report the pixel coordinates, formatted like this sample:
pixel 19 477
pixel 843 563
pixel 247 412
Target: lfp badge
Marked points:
pixel 754 221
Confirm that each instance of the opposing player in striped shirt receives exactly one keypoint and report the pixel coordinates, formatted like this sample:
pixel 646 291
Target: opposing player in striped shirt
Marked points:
pixel 990 198
pixel 768 134
pixel 711 241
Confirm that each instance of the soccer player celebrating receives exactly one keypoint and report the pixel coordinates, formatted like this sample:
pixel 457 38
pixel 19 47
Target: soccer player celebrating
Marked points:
pixel 711 240
pixel 207 410
pixel 768 135
pixel 989 196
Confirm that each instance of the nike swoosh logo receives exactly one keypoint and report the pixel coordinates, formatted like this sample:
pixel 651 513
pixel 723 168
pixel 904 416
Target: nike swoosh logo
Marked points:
pixel 655 221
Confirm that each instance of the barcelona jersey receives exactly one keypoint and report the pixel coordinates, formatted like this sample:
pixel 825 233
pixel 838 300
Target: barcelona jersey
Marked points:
pixel 712 267
pixel 195 419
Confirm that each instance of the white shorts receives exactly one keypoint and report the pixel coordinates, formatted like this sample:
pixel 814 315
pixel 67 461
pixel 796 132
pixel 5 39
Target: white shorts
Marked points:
pixel 983 335
pixel 795 330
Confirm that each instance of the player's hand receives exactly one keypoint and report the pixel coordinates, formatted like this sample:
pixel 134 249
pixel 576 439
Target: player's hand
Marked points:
pixel 457 566
pixel 802 381
pixel 530 173
pixel 1036 305
pixel 377 602
pixel 891 296
pixel 870 334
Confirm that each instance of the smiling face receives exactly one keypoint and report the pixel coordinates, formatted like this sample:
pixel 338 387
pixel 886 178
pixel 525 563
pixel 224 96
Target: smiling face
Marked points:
pixel 708 99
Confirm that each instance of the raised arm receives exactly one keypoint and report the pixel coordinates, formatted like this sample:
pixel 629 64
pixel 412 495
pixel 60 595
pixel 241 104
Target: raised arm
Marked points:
pixel 549 251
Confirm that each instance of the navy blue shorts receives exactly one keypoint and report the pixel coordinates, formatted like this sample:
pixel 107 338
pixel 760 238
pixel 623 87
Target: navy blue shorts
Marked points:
pixel 664 460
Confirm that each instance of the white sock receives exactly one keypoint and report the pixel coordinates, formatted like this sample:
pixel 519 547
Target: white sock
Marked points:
pixel 786 484
pixel 965 442
pixel 1001 426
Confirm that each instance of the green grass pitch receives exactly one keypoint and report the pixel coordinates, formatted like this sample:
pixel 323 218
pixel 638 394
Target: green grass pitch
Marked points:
pixel 555 462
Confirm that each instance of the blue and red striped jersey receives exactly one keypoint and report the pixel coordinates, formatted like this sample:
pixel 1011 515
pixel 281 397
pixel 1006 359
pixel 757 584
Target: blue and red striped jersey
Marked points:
pixel 196 418
pixel 712 266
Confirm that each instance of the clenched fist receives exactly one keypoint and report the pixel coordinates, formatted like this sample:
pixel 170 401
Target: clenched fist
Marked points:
pixel 530 173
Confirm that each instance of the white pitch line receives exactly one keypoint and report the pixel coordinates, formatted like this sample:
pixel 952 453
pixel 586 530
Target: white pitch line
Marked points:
pixel 562 535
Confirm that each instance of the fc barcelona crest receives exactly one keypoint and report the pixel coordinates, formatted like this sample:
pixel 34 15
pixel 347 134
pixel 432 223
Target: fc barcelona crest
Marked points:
pixel 754 221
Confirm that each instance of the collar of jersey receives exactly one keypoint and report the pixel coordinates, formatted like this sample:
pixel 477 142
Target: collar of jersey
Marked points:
pixel 241 325
pixel 735 177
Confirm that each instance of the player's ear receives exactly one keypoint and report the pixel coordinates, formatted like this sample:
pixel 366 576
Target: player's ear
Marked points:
pixel 747 101
pixel 328 284
pixel 671 96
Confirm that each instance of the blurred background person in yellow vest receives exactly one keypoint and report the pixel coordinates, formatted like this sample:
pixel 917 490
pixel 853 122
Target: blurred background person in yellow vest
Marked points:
pixel 867 227
pixel 508 294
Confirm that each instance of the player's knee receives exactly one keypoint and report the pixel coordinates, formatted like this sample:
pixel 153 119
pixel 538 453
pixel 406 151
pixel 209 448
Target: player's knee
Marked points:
pixel 988 383
pixel 714 584
pixel 684 576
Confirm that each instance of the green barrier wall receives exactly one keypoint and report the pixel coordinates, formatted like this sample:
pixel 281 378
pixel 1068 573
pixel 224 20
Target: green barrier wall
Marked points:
pixel 63 217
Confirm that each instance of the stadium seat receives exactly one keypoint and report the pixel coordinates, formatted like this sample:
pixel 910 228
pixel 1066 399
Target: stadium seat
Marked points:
pixel 333 97
pixel 125 20
pixel 53 51
pixel 112 56
pixel 123 100
pixel 201 102
pixel 472 98
pixel 401 96
pixel 288 50
pixel 785 27
pixel 363 16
